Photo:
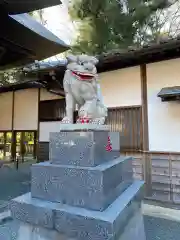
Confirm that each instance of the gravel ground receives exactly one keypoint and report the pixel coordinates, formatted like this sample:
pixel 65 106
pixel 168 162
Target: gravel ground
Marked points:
pixel 161 229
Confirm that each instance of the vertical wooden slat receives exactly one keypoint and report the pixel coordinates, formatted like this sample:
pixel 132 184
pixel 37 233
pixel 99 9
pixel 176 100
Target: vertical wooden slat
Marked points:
pixel 113 118
pixel 116 120
pixel 110 120
pixel 122 126
pixel 119 121
pixel 137 133
pixel 134 130
pixel 129 127
pixel 170 177
pixel 124 129
pixel 139 128
pixel 141 131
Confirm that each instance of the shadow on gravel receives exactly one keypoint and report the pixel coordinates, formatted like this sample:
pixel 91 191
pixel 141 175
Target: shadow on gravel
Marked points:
pixel 14 182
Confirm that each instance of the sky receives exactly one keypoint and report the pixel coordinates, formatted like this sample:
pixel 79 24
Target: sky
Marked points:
pixel 59 22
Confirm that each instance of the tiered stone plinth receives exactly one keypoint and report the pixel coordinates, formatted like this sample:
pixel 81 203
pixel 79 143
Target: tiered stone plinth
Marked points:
pixel 83 192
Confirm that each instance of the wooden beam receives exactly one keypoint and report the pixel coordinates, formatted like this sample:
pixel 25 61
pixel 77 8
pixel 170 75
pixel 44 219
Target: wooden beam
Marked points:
pixel 145 131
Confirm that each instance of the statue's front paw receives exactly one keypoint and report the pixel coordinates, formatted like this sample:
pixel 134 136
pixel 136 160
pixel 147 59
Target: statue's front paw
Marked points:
pixel 67 120
pixel 83 120
pixel 99 121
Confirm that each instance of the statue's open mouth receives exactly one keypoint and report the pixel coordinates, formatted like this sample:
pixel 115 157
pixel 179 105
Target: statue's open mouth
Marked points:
pixel 83 76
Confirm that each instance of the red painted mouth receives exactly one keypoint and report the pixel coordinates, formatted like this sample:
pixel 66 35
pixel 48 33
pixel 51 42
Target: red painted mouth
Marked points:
pixel 83 76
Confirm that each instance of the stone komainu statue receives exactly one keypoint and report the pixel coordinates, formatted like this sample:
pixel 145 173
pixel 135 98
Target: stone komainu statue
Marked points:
pixel 81 89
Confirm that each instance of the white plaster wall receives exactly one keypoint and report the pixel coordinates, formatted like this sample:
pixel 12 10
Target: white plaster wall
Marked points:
pixel 26 109
pixel 45 128
pixel 45 95
pixel 163 117
pixel 6 100
pixel 121 87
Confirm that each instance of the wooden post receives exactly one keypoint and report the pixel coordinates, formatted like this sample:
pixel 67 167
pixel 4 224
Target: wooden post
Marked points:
pixel 36 136
pixel 13 139
pixel 13 146
pixel 35 145
pixel 145 132
pixel 5 142
pixel 22 146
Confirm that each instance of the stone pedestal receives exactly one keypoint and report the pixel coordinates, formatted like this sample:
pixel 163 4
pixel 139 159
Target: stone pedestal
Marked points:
pixel 83 192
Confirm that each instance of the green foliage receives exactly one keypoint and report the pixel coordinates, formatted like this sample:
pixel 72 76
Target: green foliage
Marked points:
pixel 111 24
pixel 11 76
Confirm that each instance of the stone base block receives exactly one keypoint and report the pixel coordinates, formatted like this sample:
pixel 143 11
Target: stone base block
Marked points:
pixel 82 127
pixel 115 141
pixel 90 187
pixel 43 147
pixel 133 230
pixel 79 148
pixel 82 224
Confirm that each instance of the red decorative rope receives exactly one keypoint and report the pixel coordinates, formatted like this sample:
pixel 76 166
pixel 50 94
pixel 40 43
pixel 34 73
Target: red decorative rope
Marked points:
pixel 109 145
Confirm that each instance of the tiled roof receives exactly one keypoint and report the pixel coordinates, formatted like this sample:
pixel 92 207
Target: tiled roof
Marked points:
pixel 166 48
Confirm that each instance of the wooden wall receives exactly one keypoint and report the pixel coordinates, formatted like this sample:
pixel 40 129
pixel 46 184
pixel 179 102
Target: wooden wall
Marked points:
pixel 165 175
